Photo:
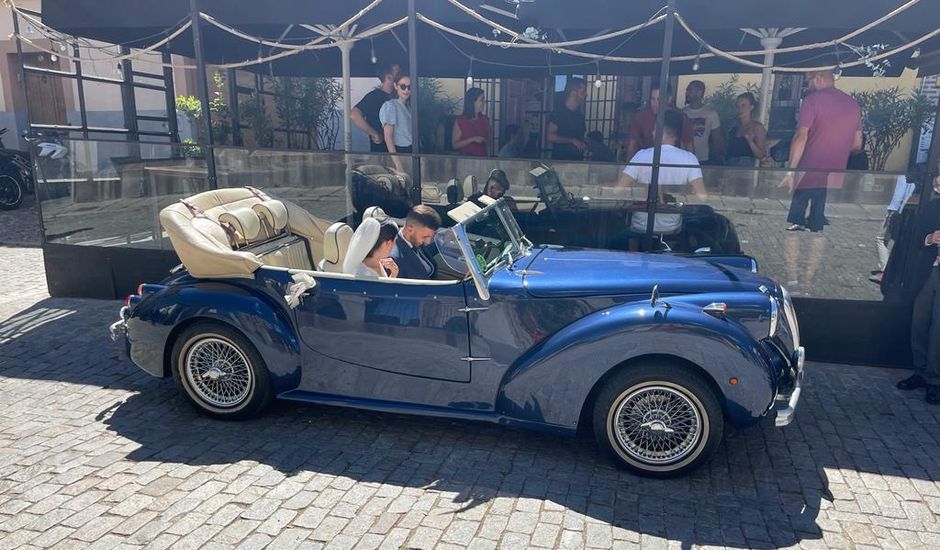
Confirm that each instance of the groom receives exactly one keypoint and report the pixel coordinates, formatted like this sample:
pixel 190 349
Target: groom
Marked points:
pixel 420 225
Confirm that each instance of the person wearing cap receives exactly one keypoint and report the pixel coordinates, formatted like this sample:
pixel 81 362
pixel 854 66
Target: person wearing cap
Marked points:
pixel 497 184
pixel 925 320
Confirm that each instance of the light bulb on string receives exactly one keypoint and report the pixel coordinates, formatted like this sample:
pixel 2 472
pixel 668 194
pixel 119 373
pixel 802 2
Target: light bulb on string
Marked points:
pixel 837 73
pixel 598 83
pixel 470 74
pixel 372 49
pixel 696 65
pixel 61 47
pixel 53 58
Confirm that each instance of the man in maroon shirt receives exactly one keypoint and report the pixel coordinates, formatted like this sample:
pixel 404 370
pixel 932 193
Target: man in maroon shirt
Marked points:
pixel 643 125
pixel 829 128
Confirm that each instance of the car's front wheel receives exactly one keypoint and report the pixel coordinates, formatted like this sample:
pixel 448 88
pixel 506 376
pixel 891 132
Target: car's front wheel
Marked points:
pixel 658 419
pixel 220 371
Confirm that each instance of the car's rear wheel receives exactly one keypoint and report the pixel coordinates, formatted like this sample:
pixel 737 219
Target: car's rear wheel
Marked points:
pixel 220 371
pixel 658 419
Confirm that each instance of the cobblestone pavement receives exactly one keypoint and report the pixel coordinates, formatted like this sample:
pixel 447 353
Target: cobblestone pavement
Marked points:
pixel 21 226
pixel 94 453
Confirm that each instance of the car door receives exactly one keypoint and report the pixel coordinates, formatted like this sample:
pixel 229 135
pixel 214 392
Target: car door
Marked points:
pixel 409 328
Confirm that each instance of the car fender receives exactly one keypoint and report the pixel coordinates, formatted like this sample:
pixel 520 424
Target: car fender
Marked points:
pixel 551 382
pixel 154 323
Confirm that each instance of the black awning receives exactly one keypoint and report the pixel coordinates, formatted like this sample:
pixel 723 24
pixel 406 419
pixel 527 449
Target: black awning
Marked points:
pixel 444 55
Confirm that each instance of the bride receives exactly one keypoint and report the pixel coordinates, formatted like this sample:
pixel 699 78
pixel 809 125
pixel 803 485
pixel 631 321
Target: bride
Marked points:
pixel 369 250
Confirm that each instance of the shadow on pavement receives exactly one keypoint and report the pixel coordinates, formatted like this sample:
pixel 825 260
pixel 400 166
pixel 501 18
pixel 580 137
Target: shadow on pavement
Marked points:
pixel 765 488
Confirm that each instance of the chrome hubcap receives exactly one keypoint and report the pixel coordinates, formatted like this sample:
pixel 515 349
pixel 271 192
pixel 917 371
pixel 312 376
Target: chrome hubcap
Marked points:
pixel 657 425
pixel 218 372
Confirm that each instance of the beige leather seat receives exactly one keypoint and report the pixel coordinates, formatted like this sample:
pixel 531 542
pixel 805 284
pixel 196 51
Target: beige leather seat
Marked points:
pixel 244 223
pixel 208 231
pixel 335 245
pixel 273 216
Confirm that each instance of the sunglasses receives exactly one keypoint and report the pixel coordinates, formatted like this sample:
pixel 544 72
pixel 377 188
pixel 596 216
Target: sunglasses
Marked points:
pixel 404 87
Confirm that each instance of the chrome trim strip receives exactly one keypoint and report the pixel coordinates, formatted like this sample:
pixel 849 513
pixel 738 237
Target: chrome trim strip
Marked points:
pixel 472 359
pixel 785 415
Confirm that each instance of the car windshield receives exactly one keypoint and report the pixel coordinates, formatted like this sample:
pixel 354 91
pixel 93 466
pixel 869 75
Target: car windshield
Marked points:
pixel 493 237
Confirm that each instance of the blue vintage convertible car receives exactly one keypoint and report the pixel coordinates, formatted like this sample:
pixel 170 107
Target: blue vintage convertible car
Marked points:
pixel 654 353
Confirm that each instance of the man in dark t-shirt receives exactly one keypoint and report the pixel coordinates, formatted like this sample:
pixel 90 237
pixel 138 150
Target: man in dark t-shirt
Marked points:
pixel 566 126
pixel 365 115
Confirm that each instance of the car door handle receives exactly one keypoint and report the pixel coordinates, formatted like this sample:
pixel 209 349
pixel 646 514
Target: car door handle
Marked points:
pixel 472 359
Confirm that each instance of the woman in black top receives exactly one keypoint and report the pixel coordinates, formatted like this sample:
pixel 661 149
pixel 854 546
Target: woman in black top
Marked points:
pixel 748 140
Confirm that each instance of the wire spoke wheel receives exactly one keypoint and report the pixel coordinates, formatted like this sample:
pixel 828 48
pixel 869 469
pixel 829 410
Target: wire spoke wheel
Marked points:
pixel 658 424
pixel 218 372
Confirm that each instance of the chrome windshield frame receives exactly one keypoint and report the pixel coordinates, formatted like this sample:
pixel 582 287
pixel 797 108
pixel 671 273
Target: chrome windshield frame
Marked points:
pixel 521 245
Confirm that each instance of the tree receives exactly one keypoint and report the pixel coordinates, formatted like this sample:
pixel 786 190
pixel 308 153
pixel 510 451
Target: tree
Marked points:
pixel 308 106
pixel 433 107
pixel 254 113
pixel 887 116
pixel 219 113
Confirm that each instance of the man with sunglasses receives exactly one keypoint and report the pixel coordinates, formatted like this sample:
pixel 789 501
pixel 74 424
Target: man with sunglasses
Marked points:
pixel 365 115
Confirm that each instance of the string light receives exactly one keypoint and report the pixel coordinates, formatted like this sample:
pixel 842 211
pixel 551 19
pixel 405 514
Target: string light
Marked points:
pixel 597 78
pixel 470 74
pixel 372 47
pixel 53 58
pixel 696 65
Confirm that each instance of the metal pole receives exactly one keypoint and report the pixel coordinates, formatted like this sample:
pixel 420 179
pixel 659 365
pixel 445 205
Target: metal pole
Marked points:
pixel 22 58
pixel 128 99
pixel 202 86
pixel 652 197
pixel 767 77
pixel 413 72
pixel 231 81
pixel 169 94
pixel 344 50
pixel 80 85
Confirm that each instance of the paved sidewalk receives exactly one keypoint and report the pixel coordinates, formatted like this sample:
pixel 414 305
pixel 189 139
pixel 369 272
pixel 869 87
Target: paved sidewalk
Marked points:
pixel 94 453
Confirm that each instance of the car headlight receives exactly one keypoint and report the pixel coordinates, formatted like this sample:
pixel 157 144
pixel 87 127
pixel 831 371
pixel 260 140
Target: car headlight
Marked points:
pixel 774 317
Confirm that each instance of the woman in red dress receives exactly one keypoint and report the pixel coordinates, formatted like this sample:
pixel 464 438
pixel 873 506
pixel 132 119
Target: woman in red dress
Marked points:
pixel 472 128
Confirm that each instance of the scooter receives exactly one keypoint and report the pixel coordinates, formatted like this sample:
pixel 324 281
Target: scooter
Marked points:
pixel 16 176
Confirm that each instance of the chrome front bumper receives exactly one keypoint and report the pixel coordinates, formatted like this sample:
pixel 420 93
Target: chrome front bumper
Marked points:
pixel 785 414
pixel 118 329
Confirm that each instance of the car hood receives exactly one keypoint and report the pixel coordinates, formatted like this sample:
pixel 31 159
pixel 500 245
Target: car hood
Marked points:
pixel 559 272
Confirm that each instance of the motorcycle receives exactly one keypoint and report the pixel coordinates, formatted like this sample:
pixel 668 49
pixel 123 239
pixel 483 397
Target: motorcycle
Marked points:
pixel 16 176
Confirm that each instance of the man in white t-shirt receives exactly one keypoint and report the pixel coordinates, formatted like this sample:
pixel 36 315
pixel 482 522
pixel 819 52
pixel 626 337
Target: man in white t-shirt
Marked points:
pixel 685 169
pixel 706 126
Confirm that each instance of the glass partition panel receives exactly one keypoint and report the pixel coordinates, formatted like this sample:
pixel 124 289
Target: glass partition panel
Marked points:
pixel 109 193
pixel 317 180
pixel 733 210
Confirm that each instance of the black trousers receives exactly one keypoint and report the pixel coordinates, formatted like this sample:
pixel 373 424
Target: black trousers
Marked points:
pixel 925 329
pixel 816 200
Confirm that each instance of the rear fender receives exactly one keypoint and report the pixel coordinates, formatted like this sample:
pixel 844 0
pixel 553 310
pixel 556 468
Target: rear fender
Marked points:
pixel 551 382
pixel 155 322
